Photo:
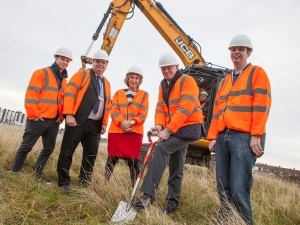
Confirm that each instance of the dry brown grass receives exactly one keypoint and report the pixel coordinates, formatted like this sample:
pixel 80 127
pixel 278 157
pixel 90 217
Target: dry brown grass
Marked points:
pixel 25 201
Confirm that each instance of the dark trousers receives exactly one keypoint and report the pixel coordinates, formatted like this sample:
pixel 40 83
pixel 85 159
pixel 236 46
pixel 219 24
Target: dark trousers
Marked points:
pixel 88 134
pixel 133 165
pixel 173 152
pixel 46 129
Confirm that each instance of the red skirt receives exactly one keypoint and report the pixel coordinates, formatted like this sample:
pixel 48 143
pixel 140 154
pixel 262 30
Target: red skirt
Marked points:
pixel 124 146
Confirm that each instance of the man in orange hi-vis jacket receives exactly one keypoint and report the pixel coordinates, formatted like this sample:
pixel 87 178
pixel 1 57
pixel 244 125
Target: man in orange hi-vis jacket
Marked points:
pixel 43 104
pixel 87 100
pixel 178 119
pixel 240 113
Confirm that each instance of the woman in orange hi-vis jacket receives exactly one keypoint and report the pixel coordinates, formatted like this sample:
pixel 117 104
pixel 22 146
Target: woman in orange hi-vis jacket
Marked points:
pixel 240 113
pixel 128 112
pixel 43 104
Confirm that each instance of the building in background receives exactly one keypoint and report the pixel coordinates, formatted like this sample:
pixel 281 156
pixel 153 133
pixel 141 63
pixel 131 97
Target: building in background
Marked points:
pixel 277 171
pixel 268 170
pixel 12 117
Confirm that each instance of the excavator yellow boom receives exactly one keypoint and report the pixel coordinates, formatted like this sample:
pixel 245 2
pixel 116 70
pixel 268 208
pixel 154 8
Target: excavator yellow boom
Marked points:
pixel 188 50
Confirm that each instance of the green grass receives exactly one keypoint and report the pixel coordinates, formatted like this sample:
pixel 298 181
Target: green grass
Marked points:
pixel 23 200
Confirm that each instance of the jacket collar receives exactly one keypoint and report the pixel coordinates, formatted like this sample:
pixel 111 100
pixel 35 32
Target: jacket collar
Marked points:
pixel 63 74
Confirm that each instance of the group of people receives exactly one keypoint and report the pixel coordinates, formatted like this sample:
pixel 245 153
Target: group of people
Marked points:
pixel 240 113
pixel 85 103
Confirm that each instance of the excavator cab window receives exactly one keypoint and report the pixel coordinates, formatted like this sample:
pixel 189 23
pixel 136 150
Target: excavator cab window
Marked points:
pixel 208 79
pixel 205 84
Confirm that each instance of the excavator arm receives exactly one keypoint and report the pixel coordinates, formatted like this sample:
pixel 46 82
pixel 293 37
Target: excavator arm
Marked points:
pixel 117 13
pixel 188 50
pixel 120 9
pixel 184 46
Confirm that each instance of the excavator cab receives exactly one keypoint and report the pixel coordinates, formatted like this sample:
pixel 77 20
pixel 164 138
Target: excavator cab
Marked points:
pixel 208 79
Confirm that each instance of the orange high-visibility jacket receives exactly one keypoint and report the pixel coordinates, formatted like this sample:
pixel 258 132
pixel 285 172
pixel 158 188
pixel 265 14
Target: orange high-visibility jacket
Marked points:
pixel 121 110
pixel 184 105
pixel 76 89
pixel 243 106
pixel 42 97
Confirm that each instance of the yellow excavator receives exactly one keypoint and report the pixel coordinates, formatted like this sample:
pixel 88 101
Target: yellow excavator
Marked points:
pixel 205 74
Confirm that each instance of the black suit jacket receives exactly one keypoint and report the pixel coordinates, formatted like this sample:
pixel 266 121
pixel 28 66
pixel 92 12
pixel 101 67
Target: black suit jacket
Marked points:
pixel 89 100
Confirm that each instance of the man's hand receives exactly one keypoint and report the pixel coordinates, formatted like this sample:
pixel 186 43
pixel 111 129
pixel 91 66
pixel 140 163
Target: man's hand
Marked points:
pixel 163 135
pixel 255 146
pixel 38 118
pixel 155 130
pixel 58 120
pixel 103 130
pixel 70 121
pixel 212 145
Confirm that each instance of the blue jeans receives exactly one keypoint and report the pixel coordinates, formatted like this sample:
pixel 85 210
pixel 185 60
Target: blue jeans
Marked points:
pixel 234 164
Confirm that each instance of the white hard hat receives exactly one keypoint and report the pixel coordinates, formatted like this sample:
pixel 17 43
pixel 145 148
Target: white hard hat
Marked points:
pixel 167 59
pixel 240 40
pixel 63 51
pixel 204 93
pixel 101 54
pixel 135 69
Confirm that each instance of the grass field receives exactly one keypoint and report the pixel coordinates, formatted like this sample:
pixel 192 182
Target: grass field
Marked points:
pixel 26 201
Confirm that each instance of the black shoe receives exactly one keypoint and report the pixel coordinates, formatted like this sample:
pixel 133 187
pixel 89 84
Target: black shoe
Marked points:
pixel 143 202
pixel 66 187
pixel 169 209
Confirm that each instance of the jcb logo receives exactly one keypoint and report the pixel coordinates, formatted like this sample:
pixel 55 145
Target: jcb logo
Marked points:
pixel 184 48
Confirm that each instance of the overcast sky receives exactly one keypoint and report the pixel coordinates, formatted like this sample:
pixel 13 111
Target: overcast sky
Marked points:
pixel 32 30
